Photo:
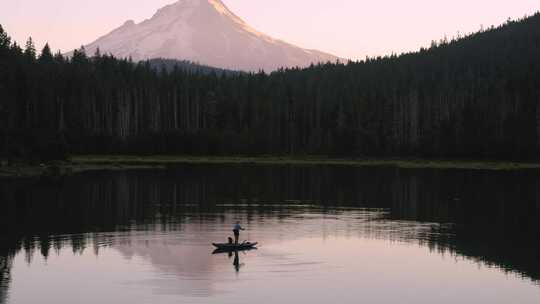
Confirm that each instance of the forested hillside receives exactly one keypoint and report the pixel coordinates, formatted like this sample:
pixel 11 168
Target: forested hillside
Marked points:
pixel 169 65
pixel 476 96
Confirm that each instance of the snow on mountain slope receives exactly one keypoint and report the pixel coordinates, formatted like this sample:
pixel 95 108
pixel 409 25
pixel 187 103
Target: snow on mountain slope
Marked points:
pixel 204 31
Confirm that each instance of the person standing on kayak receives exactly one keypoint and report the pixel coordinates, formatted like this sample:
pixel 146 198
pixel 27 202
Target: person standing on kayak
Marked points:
pixel 236 230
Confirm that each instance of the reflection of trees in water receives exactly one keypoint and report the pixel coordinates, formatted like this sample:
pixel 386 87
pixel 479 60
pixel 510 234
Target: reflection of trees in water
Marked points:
pixel 18 242
pixel 5 276
pixel 494 213
pixel 9 247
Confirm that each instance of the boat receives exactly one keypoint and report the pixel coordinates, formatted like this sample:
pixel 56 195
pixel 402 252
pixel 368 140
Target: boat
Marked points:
pixel 225 247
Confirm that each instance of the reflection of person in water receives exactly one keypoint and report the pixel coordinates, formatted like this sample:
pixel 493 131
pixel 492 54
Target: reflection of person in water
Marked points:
pixel 236 261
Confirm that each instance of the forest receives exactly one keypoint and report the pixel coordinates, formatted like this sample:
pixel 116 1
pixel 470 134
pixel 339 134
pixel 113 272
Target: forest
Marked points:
pixel 476 96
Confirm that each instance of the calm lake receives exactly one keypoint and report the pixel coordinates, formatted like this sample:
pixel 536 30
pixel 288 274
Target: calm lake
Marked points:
pixel 326 234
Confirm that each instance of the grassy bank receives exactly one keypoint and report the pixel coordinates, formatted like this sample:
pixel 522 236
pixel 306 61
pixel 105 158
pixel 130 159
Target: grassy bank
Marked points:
pixel 82 163
pixel 301 160
pixel 64 168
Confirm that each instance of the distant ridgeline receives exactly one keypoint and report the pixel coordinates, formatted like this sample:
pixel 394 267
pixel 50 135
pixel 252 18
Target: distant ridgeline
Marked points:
pixel 476 96
pixel 173 65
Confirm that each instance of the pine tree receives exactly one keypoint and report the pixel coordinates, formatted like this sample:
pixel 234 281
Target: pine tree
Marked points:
pixel 79 56
pixel 5 40
pixel 16 49
pixel 30 49
pixel 59 58
pixel 46 54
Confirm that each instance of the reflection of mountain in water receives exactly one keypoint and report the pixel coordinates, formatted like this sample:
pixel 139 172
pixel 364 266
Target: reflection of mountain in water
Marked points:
pixel 170 257
pixel 493 214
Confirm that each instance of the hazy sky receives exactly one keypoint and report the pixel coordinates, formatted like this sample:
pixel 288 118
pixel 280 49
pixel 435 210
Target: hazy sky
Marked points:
pixel 348 28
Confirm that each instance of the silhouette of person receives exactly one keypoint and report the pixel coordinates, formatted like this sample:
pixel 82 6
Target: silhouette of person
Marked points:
pixel 236 231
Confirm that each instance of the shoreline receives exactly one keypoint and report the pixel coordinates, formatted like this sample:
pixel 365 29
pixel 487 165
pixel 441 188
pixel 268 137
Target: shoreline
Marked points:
pixel 406 163
pixel 84 163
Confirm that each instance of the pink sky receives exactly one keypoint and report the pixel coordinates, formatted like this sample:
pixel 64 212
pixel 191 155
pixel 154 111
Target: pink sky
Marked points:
pixel 348 28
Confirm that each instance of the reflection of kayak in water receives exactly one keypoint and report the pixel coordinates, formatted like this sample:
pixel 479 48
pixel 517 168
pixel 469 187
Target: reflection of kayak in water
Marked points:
pixel 225 247
pixel 231 251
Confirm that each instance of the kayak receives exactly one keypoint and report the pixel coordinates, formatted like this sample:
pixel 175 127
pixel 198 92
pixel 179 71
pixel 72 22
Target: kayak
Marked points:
pixel 233 247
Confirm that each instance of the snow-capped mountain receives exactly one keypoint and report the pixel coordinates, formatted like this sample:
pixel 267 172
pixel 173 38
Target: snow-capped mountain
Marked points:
pixel 204 31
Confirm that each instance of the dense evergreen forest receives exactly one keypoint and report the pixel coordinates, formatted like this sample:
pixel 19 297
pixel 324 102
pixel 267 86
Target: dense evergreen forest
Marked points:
pixel 476 96
pixel 169 65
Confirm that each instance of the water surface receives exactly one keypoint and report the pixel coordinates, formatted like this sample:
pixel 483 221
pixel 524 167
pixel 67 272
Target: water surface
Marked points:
pixel 373 235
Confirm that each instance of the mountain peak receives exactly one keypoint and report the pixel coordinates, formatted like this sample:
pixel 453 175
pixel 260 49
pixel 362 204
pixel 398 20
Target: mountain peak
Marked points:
pixel 204 31
pixel 182 6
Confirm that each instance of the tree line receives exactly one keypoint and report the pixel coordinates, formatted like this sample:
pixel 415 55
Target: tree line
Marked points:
pixel 475 97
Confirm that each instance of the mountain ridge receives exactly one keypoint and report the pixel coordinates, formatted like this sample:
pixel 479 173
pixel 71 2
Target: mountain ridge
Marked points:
pixel 204 31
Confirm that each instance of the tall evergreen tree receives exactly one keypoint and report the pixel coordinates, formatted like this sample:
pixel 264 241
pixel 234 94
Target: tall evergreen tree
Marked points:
pixel 30 49
pixel 79 56
pixel 46 55
pixel 5 40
